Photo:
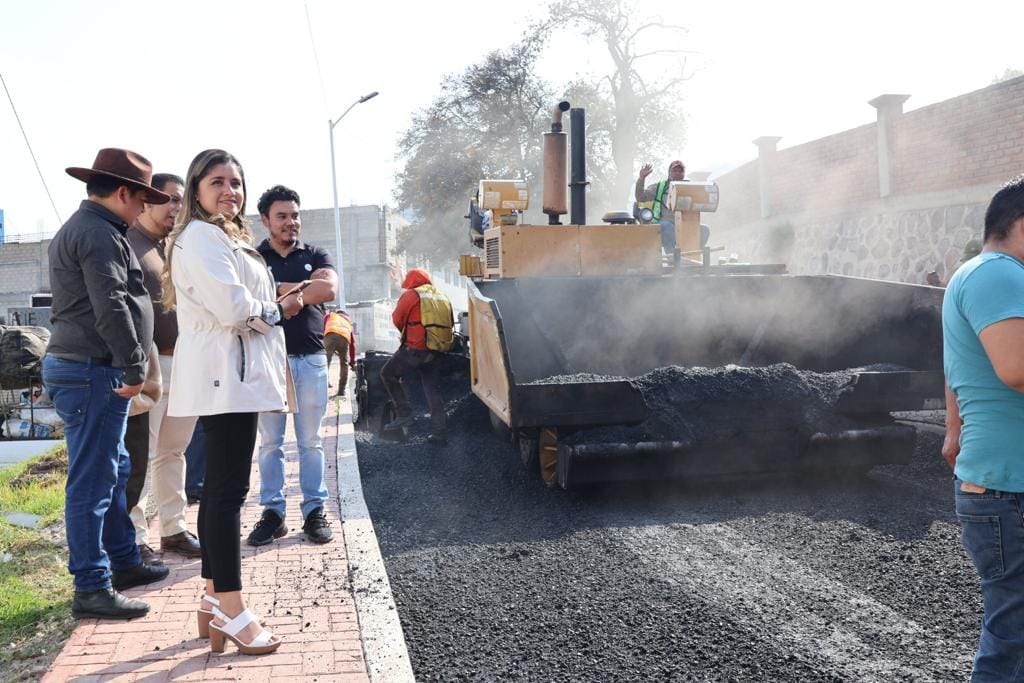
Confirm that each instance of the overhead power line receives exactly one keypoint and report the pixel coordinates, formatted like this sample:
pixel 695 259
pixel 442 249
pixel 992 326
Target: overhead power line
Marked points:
pixel 33 154
pixel 316 58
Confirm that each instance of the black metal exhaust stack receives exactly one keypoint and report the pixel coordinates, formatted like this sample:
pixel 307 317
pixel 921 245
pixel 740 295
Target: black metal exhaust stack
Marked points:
pixel 578 160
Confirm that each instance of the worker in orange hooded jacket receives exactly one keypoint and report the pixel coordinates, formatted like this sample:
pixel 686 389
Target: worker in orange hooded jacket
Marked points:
pixel 415 353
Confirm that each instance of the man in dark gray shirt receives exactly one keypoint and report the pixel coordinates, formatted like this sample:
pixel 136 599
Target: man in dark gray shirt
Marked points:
pixel 96 361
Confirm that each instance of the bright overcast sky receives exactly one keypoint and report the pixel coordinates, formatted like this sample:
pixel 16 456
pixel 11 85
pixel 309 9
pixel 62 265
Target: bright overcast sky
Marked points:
pixel 172 78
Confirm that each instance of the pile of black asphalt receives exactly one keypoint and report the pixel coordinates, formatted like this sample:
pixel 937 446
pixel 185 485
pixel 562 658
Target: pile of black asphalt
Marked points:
pixel 861 578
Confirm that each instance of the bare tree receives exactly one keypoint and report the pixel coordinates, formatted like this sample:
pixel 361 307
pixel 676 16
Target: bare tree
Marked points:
pixel 648 68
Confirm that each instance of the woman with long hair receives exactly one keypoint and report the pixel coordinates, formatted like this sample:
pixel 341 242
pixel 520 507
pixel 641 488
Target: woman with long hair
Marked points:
pixel 229 366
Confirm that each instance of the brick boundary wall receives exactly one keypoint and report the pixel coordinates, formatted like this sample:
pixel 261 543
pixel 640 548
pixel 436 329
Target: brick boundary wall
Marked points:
pixel 892 199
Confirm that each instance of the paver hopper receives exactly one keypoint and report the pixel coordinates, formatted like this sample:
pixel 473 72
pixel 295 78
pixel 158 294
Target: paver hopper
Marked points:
pixel 562 316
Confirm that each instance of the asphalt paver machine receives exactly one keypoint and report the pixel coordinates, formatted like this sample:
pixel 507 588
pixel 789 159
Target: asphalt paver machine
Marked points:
pixel 564 317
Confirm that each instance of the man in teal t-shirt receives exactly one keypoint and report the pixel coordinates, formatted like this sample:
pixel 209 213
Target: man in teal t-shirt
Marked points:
pixel 983 359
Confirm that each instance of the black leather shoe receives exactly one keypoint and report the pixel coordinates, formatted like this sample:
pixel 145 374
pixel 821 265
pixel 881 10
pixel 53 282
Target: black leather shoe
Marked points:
pixel 184 544
pixel 317 528
pixel 139 575
pixel 437 440
pixel 149 556
pixel 270 526
pixel 106 604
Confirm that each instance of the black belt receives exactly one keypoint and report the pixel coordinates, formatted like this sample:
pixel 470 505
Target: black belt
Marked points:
pixel 75 358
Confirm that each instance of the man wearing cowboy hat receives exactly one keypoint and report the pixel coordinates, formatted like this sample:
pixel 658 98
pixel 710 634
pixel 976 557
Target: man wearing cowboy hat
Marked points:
pixel 96 361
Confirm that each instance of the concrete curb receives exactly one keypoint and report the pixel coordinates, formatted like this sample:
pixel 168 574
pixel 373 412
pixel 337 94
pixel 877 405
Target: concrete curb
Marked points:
pixel 387 658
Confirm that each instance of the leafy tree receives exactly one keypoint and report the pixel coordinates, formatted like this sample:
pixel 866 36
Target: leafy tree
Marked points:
pixel 487 123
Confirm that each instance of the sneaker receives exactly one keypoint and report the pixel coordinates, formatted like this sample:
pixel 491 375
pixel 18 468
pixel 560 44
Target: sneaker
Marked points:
pixel 106 604
pixel 437 440
pixel 139 575
pixel 317 528
pixel 270 526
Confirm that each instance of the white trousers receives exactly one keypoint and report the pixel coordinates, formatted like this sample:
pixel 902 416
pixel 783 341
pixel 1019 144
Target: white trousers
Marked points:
pixel 165 475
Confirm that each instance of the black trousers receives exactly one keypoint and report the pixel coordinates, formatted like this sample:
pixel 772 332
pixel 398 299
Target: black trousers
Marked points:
pixel 136 442
pixel 230 441
pixel 404 362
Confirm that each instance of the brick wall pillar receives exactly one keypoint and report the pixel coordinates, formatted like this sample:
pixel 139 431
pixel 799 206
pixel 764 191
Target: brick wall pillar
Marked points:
pixel 890 107
pixel 767 147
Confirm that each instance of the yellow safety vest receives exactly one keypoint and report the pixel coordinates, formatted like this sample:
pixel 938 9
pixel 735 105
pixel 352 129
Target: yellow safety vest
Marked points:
pixel 436 317
pixel 338 324
pixel 656 205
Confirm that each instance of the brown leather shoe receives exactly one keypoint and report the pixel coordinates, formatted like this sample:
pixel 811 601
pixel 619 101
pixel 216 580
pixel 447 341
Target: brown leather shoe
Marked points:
pixel 184 544
pixel 149 556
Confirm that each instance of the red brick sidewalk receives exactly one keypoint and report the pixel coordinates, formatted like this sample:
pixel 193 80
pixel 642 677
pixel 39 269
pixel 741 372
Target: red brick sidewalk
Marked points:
pixel 301 589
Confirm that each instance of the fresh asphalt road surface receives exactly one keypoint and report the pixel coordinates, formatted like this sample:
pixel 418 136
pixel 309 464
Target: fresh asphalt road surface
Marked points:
pixel 497 578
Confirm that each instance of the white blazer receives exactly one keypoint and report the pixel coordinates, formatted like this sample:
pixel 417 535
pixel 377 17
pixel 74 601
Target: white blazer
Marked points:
pixel 220 365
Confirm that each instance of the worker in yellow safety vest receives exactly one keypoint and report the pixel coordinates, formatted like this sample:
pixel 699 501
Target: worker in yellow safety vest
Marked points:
pixel 655 196
pixel 424 316
pixel 340 341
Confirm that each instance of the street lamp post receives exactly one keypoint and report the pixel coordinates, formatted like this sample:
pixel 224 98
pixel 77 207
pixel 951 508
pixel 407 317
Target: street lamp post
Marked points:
pixel 337 213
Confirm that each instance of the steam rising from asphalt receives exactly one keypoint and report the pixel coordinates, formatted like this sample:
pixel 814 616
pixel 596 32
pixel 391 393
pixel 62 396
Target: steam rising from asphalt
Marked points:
pixel 629 326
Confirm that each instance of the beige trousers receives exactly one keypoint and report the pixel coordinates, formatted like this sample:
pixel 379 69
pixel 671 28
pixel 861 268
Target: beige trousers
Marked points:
pixel 165 478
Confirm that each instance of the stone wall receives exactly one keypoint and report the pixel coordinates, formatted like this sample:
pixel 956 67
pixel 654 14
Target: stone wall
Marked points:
pixel 899 240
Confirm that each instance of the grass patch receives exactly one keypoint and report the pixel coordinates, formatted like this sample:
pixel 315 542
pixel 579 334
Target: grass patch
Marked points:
pixel 35 587
pixel 36 486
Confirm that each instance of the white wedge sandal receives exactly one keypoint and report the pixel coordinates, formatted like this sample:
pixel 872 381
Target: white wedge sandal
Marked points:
pixel 264 643
pixel 204 617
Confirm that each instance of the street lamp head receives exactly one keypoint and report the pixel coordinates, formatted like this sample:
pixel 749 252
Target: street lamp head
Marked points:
pixel 364 98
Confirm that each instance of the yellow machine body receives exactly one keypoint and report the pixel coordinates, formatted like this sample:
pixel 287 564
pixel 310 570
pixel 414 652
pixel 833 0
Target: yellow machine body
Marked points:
pixel 571 251
pixel 687 199
pixel 505 199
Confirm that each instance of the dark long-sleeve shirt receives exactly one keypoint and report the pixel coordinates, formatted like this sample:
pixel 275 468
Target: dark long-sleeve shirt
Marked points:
pixel 101 308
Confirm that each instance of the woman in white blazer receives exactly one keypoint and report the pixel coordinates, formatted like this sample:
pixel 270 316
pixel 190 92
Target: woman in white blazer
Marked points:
pixel 229 365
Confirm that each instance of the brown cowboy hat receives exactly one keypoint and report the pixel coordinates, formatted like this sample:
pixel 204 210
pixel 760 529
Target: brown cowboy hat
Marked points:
pixel 122 164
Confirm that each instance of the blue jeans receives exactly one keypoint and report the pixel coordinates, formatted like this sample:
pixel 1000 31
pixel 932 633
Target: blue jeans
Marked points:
pixel 993 535
pixel 195 462
pixel 309 373
pixel 100 533
pixel 668 234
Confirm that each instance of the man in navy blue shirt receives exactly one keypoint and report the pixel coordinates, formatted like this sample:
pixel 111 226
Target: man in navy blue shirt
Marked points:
pixel 292 262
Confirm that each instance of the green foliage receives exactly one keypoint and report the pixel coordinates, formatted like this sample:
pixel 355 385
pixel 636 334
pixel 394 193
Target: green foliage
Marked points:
pixel 489 119
pixel 487 123
pixel 36 486
pixel 35 587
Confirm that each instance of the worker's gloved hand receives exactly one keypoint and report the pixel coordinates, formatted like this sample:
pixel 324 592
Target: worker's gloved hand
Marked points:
pixel 645 171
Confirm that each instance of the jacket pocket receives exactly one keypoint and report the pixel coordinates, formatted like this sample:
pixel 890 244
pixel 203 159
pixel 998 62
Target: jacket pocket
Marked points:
pixel 242 358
